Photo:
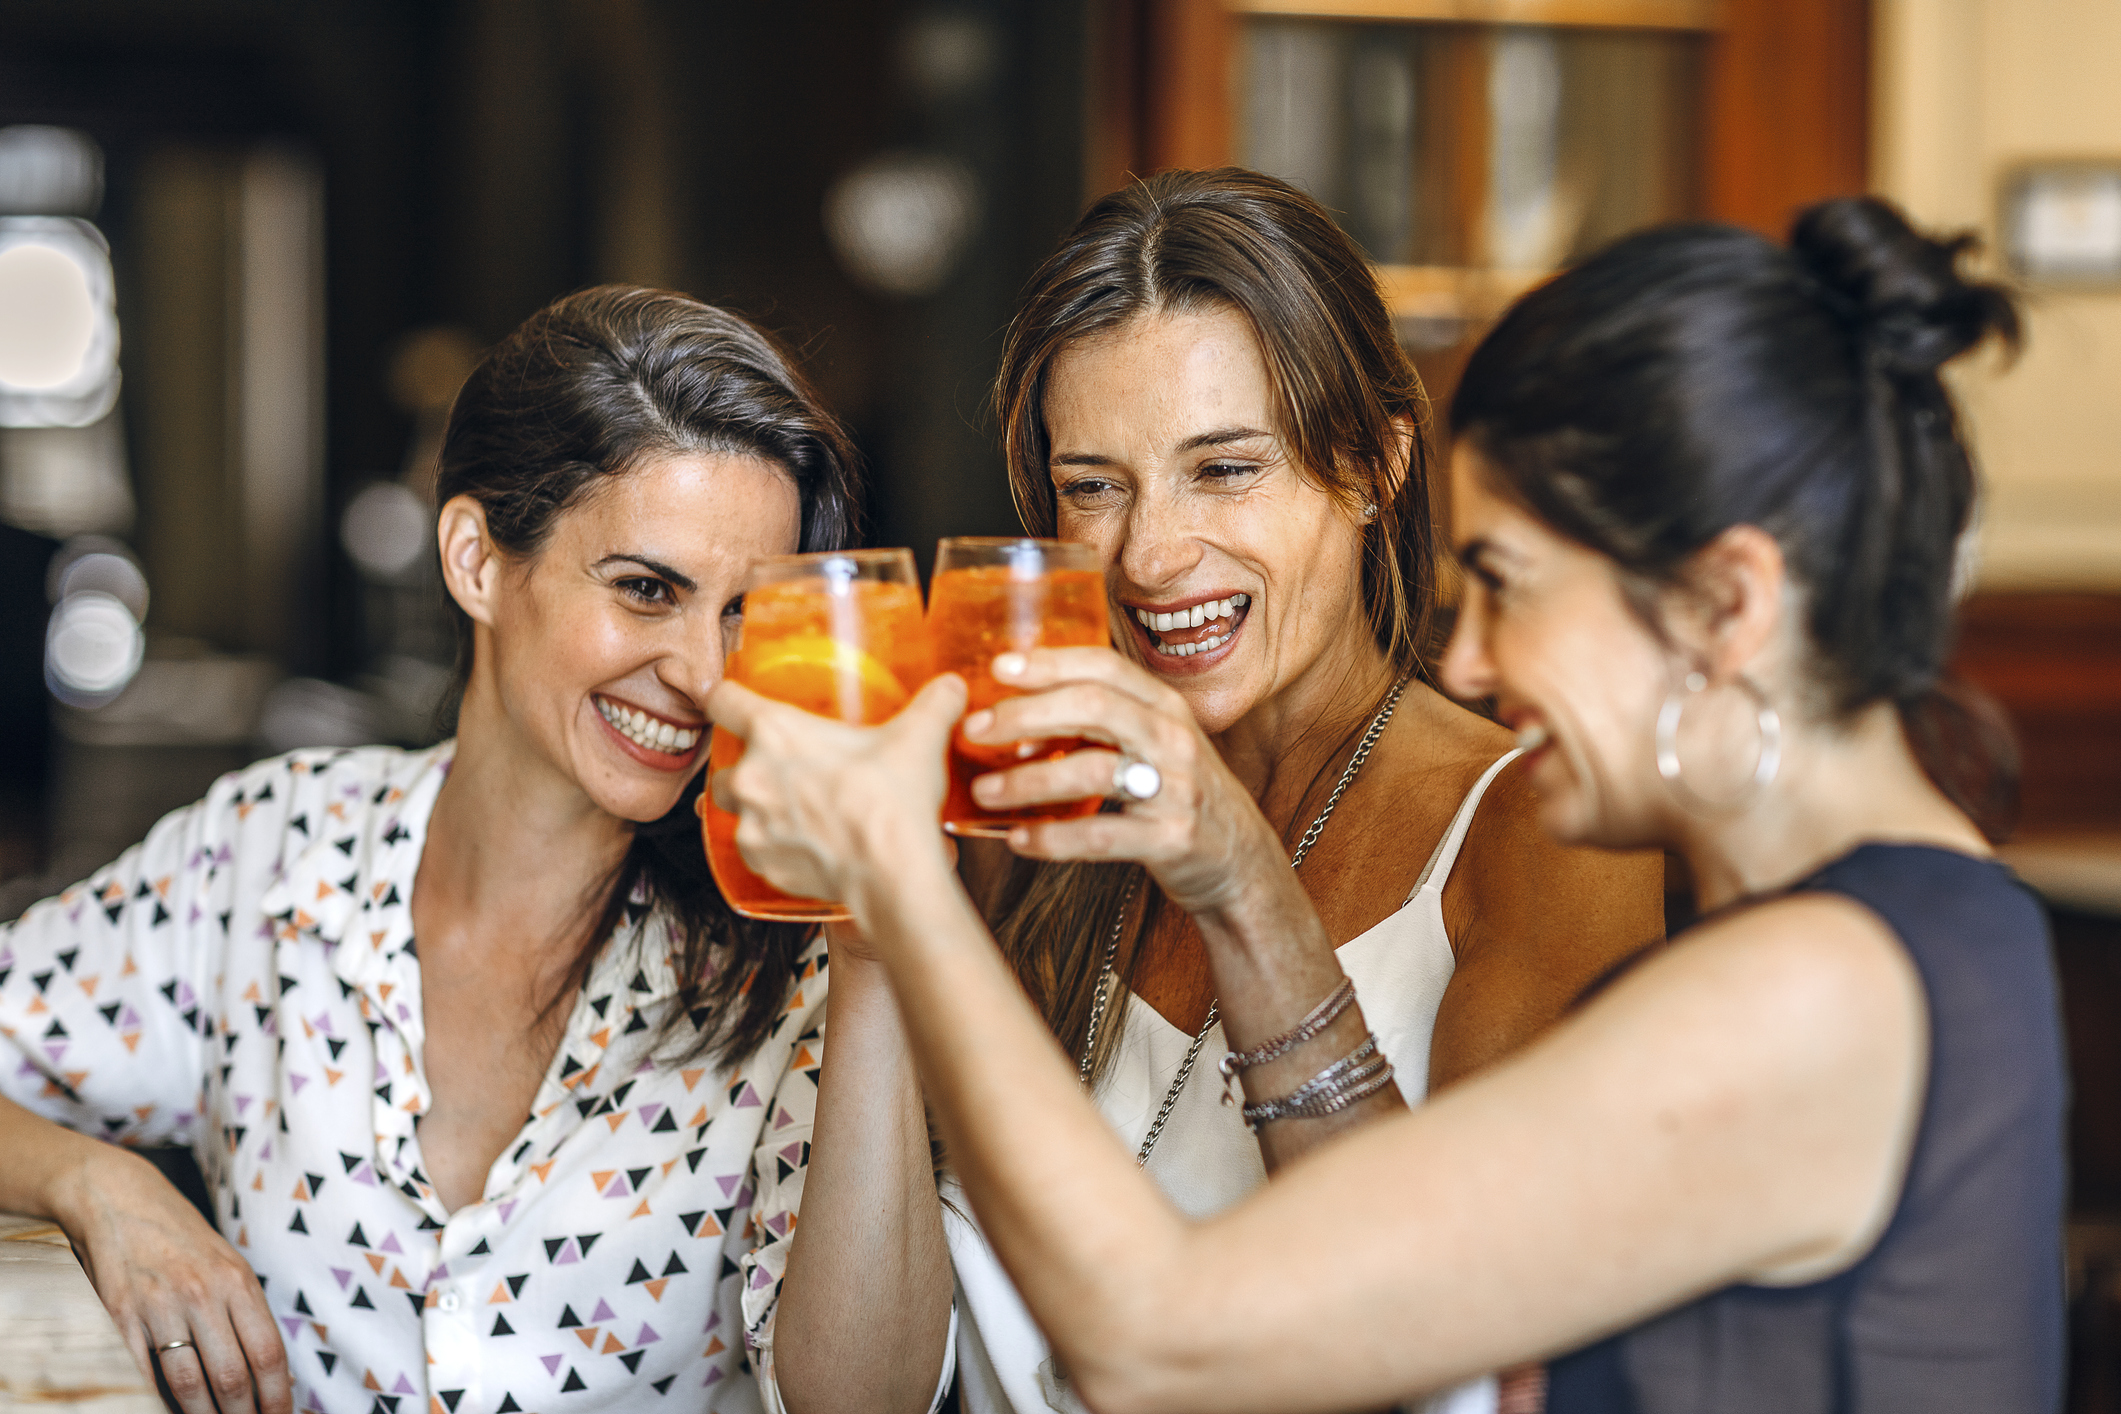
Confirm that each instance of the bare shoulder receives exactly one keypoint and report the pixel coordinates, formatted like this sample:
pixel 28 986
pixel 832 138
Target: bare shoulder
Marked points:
pixel 1808 961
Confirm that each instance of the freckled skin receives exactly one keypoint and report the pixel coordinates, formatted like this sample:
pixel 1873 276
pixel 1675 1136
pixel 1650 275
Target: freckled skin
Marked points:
pixel 1178 523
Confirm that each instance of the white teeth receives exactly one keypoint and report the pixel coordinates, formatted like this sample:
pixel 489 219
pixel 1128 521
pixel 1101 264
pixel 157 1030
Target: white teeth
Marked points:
pixel 1196 616
pixel 651 732
pixel 1164 622
pixel 1188 650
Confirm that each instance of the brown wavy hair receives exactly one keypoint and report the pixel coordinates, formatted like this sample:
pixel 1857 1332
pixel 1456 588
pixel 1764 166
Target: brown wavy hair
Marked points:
pixel 590 388
pixel 1351 414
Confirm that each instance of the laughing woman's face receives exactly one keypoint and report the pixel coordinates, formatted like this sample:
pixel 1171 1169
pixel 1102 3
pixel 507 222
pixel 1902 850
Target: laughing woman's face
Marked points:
pixel 606 641
pixel 1232 576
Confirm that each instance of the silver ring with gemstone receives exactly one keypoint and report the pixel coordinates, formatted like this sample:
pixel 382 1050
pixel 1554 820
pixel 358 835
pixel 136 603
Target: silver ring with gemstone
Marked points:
pixel 1136 780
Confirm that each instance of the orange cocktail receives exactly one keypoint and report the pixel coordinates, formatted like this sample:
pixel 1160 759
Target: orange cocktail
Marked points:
pixel 991 597
pixel 837 634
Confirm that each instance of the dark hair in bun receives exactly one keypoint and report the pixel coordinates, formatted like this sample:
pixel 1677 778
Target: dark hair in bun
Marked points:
pixel 1696 377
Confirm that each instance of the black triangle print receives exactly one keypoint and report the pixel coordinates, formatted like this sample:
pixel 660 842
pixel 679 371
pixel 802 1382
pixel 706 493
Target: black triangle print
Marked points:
pixel 501 1326
pixel 692 1222
pixel 640 982
pixel 568 1319
pixel 784 1169
pixel 553 1246
pixel 302 1304
pixel 44 979
pixel 316 1183
pixel 515 1283
pixel 359 1238
pixel 265 794
pixel 632 1361
pixel 667 1124
pixel 161 915
pixel 639 1023
pixel 419 1303
pixel 66 959
pixel 662 1386
pixel 574 1382
pixel 345 846
pixel 508 1404
pixel 300 822
pixel 692 1160
pixel 639 1273
pixel 395 833
pixel 298 1225
pixel 361 1301
pixel 634 1177
pixel 329 1361
pixel 482 1250
pixel 673 1267
pixel 588 1240
pixel 287 984
pixel 349 1161
pixel 336 1046
pixel 110 1013
pixel 385 1404
pixel 618 1096
pixel 390 898
pixel 57 1028
pixel 728 1267
pixel 598 1004
pixel 450 1398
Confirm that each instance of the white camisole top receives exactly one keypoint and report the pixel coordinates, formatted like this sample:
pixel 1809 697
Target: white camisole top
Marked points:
pixel 1206 1160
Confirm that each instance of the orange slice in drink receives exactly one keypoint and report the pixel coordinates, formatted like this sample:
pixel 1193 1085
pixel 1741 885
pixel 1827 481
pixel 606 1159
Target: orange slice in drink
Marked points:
pixel 823 675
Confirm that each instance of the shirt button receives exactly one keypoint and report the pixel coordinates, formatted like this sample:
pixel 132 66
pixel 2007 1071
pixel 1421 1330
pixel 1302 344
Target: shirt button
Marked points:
pixel 450 1301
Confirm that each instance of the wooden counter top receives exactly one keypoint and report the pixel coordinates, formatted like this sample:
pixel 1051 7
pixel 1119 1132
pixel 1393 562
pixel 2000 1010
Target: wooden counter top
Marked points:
pixel 58 1348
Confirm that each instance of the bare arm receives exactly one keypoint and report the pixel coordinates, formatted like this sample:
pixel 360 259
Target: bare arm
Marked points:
pixel 162 1272
pixel 1736 1109
pixel 1206 843
pixel 1532 923
pixel 864 1312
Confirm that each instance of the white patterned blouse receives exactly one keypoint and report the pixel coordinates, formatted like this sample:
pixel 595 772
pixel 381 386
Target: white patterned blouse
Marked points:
pixel 245 981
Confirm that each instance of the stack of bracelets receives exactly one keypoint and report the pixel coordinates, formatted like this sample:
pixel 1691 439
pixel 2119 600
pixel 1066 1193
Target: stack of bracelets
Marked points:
pixel 1355 1076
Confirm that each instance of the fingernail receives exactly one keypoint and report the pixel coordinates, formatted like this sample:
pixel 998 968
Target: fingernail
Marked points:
pixel 1010 665
pixel 985 788
pixel 979 721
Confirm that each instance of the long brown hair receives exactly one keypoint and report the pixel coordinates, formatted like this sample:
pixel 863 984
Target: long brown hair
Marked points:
pixel 1352 416
pixel 589 388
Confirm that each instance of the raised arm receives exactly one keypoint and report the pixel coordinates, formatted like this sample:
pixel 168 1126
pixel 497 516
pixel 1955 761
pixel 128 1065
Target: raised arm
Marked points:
pixel 864 1315
pixel 1739 1109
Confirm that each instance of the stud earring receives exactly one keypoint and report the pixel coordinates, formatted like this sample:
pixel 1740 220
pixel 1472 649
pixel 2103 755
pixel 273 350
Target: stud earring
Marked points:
pixel 1369 510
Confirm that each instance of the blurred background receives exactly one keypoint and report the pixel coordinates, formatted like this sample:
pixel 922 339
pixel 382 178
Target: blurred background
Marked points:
pixel 249 249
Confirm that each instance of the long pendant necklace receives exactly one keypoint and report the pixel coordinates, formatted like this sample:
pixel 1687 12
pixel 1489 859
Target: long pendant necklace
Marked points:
pixel 1106 977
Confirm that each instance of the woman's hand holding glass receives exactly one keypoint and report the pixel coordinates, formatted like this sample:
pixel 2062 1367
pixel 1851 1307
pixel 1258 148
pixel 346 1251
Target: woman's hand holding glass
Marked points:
pixel 822 806
pixel 1200 834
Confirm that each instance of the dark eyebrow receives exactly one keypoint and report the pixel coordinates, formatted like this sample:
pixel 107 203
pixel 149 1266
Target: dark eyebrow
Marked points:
pixel 680 580
pixel 1222 436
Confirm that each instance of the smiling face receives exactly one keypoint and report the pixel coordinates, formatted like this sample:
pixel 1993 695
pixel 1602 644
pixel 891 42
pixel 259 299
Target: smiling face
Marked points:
pixel 1232 577
pixel 598 651
pixel 1545 629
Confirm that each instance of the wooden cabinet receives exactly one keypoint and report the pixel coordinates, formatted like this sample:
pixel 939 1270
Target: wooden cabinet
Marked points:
pixel 1472 146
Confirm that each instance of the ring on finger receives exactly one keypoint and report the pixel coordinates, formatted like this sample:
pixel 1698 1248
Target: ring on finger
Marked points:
pixel 1136 780
pixel 168 1345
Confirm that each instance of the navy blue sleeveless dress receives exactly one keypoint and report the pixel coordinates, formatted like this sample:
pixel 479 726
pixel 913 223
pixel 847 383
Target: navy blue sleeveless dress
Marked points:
pixel 1958 1309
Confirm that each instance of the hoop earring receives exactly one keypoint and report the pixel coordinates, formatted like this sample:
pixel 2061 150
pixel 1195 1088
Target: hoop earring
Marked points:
pixel 1668 765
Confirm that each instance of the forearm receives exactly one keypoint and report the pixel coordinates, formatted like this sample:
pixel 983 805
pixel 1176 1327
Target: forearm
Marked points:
pixel 864 1309
pixel 48 1166
pixel 1088 1242
pixel 1273 962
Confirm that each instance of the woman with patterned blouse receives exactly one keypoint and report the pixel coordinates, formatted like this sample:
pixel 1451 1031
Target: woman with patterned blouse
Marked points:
pixel 549 1156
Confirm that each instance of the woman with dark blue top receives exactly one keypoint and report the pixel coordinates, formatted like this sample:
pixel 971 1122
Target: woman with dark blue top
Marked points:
pixel 1709 493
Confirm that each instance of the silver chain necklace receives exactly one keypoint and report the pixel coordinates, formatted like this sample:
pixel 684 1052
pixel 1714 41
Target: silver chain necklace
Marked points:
pixel 1105 976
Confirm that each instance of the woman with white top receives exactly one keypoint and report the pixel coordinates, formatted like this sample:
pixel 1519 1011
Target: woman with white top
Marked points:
pixel 499 1106
pixel 1808 1158
pixel 1203 383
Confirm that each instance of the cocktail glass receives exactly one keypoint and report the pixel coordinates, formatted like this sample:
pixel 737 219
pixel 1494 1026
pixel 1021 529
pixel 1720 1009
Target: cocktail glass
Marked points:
pixel 839 634
pixel 991 597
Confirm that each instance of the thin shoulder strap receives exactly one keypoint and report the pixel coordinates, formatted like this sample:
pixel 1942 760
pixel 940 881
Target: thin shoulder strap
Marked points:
pixel 1437 872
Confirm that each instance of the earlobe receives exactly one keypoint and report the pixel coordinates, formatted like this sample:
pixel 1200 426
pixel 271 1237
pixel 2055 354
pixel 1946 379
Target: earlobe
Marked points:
pixel 470 562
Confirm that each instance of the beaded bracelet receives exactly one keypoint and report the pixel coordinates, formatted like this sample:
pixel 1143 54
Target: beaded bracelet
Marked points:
pixel 1356 1076
pixel 1317 1020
